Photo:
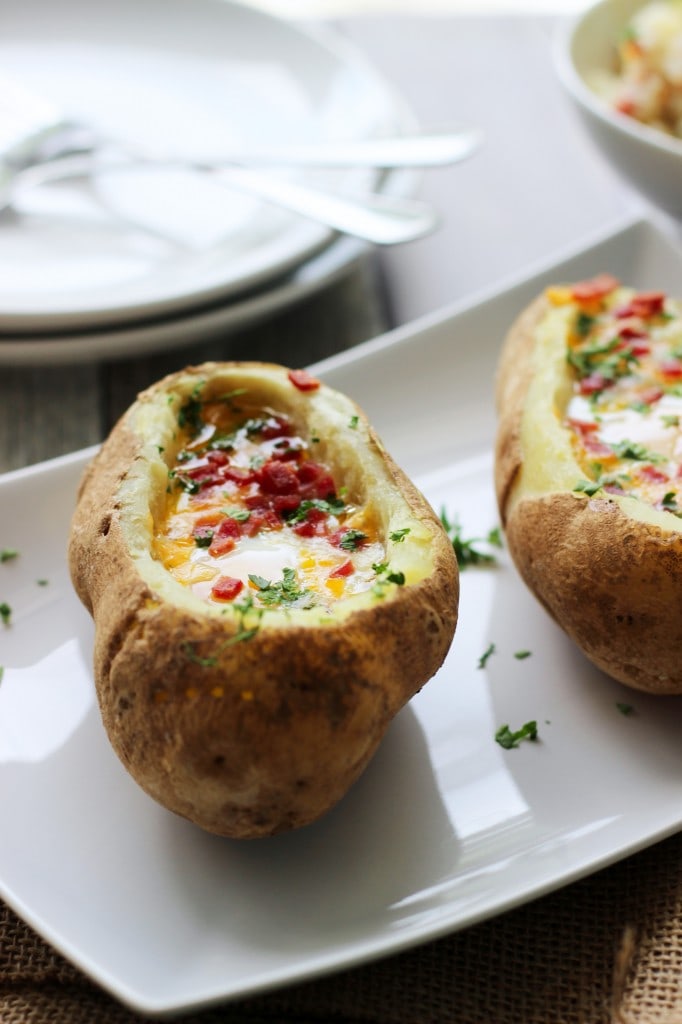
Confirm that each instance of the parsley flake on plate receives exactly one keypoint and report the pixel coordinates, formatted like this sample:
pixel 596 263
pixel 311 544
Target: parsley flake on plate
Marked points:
pixel 482 661
pixel 509 740
pixel 468 551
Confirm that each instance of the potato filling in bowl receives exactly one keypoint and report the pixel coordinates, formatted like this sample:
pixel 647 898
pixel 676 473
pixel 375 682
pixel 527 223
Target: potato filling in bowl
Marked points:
pixel 250 512
pixel 625 410
pixel 647 85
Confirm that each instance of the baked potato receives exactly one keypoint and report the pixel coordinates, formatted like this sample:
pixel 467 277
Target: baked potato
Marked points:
pixel 588 471
pixel 268 590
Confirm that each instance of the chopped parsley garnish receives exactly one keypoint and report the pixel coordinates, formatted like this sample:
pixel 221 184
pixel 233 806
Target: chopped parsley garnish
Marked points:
pixel 204 539
pixel 5 613
pixel 8 554
pixel 610 360
pixel 634 450
pixel 241 515
pixel 2 672
pixel 590 487
pixel 229 397
pixel 243 607
pixel 42 582
pixel 383 570
pixel 625 709
pixel 467 551
pixel 670 420
pixel 386 575
pixel 254 426
pixel 353 422
pixel 286 591
pixel 330 506
pixel 495 537
pixel 583 324
pixel 508 739
pixel 482 661
pixel 669 503
pixel 520 655
pixel 352 539
pixel 398 536
pixel 223 442
pixel 190 412
pixel 185 482
pixel 189 651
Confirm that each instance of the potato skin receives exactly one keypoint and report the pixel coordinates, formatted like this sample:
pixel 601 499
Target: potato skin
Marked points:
pixel 613 583
pixel 247 738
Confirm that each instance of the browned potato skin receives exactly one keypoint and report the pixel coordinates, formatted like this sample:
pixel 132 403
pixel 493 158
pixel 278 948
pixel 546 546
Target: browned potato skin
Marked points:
pixel 273 732
pixel 614 584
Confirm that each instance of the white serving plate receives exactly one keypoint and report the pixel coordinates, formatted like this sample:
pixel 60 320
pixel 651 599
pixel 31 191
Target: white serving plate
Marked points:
pixel 198 77
pixel 444 829
pixel 192 327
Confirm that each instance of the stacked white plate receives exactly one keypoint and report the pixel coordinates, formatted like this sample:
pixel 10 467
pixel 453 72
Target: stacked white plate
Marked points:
pixel 141 261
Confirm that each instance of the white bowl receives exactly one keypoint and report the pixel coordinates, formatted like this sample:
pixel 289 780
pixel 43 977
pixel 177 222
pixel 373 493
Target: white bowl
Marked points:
pixel 647 157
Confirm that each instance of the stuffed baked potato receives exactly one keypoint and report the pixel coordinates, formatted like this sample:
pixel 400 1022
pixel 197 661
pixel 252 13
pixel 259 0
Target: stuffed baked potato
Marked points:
pixel 268 590
pixel 588 471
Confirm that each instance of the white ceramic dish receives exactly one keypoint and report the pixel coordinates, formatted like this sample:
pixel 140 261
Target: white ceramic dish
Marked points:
pixel 180 76
pixel 180 330
pixel 445 828
pixel 646 157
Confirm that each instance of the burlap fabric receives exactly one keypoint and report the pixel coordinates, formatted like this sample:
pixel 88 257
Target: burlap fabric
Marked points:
pixel 605 950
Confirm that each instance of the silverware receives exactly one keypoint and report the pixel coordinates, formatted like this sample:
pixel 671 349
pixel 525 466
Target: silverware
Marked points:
pixel 58 138
pixel 380 219
pixel 39 145
pixel 33 131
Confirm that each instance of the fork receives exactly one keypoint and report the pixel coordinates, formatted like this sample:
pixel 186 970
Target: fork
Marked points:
pixel 33 131
pixel 38 145
pixel 373 217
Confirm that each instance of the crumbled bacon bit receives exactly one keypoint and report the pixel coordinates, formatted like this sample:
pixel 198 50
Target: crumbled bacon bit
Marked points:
pixel 593 383
pixel 644 305
pixel 671 368
pixel 303 380
pixel 226 588
pixel 582 426
pixel 596 288
pixel 345 569
pixel 653 474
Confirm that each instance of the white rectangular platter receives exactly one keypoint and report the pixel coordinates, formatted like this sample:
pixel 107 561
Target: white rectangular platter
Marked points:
pixel 445 829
